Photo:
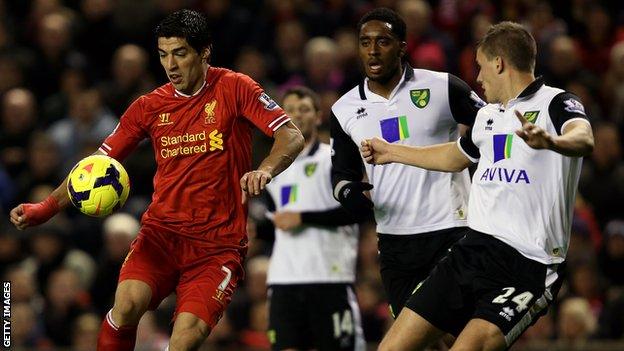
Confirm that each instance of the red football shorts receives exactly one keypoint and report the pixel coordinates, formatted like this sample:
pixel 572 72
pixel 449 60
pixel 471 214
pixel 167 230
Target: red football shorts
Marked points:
pixel 203 278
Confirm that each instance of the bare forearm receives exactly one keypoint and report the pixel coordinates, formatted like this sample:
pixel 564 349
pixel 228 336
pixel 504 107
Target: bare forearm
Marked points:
pixel 60 193
pixel 287 145
pixel 440 157
pixel 578 142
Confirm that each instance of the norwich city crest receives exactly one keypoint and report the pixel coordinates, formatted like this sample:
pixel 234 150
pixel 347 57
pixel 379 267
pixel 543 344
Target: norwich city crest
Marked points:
pixel 420 97
pixel 531 116
pixel 309 169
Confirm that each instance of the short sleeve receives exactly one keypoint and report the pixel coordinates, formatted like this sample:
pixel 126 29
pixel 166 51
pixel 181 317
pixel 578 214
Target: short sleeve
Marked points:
pixel 566 107
pixel 345 154
pixel 127 134
pixel 468 147
pixel 463 101
pixel 258 107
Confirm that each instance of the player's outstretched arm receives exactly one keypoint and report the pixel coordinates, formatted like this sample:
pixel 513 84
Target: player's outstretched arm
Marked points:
pixel 576 140
pixel 334 217
pixel 288 143
pixel 27 215
pixel 440 157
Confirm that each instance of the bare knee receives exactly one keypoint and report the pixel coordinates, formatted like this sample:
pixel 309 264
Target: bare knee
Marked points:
pixel 480 335
pixel 388 345
pixel 188 339
pixel 488 344
pixel 189 332
pixel 494 341
pixel 131 301
pixel 410 331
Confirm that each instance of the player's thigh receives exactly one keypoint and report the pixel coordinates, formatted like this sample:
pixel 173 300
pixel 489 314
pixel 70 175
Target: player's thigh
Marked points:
pixel 148 263
pixel 335 318
pixel 205 288
pixel 444 299
pixel 480 334
pixel 406 260
pixel 402 266
pixel 410 331
pixel 514 291
pixel 399 285
pixel 513 308
pixel 288 326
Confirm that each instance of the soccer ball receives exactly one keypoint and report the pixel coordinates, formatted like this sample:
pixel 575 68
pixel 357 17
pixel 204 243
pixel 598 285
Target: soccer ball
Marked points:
pixel 98 185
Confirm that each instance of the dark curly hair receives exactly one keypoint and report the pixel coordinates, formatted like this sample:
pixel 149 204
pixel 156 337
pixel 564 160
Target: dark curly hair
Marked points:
pixel 188 24
pixel 386 15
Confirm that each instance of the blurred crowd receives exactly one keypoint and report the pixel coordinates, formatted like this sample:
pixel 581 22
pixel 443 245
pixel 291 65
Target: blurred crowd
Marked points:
pixel 69 68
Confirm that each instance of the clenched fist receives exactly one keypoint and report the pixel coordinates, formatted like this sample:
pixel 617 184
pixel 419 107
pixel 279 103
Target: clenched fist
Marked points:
pixel 252 183
pixel 376 151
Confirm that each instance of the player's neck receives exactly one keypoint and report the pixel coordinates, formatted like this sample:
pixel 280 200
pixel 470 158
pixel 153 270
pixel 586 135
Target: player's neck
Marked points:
pixel 515 84
pixel 385 88
pixel 199 84
pixel 310 140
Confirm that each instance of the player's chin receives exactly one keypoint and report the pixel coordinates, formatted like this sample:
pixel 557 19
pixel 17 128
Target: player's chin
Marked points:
pixel 373 74
pixel 376 77
pixel 381 77
pixel 488 97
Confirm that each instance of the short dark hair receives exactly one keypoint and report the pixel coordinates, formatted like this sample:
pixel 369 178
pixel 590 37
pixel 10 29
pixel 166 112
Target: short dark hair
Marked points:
pixel 188 24
pixel 511 41
pixel 386 15
pixel 303 92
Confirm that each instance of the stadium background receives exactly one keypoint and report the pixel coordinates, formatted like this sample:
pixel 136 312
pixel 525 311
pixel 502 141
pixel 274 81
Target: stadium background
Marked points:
pixel 68 69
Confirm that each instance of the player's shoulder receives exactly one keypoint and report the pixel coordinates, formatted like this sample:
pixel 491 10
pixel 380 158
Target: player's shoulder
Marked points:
pixel 550 91
pixel 156 96
pixel 227 76
pixel 321 156
pixel 324 148
pixel 319 150
pixel 421 73
pixel 347 101
pixel 557 98
pixel 566 103
pixel 324 156
pixel 161 91
pixel 427 78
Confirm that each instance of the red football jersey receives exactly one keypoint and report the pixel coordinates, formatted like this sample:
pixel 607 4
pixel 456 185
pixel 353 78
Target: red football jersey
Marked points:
pixel 203 147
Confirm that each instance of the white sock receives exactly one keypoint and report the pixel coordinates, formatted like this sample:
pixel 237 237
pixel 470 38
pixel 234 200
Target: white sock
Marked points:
pixel 110 321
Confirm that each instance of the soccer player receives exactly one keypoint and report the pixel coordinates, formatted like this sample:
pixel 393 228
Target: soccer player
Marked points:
pixel 192 239
pixel 528 142
pixel 419 213
pixel 312 269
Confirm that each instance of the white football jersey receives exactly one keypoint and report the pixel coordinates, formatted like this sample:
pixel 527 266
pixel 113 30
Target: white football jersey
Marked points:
pixel 520 195
pixel 424 109
pixel 311 254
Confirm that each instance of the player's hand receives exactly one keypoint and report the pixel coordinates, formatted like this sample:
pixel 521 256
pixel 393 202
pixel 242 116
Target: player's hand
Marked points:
pixel 376 151
pixel 252 183
pixel 287 220
pixel 533 135
pixel 28 215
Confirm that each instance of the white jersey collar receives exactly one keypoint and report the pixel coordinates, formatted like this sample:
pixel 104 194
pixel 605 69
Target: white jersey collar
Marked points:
pixel 181 94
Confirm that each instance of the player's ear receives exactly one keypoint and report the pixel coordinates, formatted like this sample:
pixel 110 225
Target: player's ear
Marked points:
pixel 205 54
pixel 319 118
pixel 500 64
pixel 402 49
